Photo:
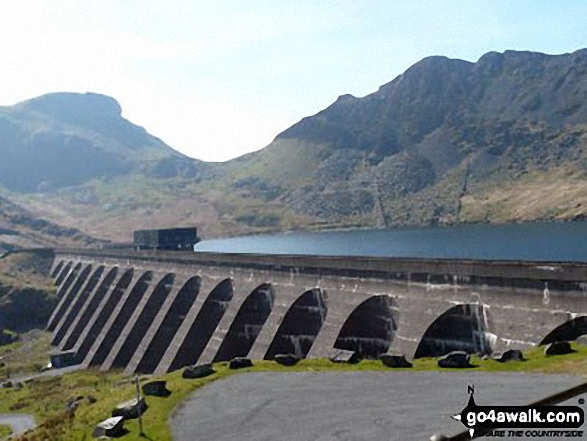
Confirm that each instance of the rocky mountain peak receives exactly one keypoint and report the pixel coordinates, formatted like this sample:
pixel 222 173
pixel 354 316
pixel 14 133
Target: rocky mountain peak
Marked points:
pixel 67 105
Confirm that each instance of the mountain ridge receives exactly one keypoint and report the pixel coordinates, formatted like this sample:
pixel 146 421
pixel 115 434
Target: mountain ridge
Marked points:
pixel 447 141
pixel 65 139
pixel 410 145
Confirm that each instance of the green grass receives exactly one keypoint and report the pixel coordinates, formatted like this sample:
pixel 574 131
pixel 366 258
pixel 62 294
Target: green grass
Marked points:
pixel 25 356
pixel 5 431
pixel 46 398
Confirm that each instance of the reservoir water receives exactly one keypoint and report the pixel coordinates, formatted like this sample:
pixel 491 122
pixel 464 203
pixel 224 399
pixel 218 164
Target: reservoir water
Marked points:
pixel 545 241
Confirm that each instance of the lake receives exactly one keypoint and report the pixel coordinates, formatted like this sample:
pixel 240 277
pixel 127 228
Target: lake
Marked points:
pixel 545 241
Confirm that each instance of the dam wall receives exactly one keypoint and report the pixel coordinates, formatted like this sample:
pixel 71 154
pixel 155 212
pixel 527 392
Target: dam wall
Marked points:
pixel 151 311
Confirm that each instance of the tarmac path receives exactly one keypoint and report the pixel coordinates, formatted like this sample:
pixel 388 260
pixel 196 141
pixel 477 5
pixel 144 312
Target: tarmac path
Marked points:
pixel 350 406
pixel 19 422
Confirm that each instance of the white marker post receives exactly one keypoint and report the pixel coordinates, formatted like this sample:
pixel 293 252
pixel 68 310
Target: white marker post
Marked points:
pixel 141 434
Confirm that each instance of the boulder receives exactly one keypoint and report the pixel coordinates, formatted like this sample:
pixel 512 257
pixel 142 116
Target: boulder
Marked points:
pixel 201 371
pixel 455 359
pixel 582 340
pixel 112 427
pixel 91 399
pixel 344 356
pixel 156 389
pixel 286 359
pixel 129 410
pixel 240 363
pixel 395 361
pixel 559 348
pixel 509 355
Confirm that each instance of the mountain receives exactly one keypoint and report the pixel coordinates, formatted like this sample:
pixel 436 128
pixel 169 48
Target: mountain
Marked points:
pixel 503 139
pixel 429 146
pixel 65 139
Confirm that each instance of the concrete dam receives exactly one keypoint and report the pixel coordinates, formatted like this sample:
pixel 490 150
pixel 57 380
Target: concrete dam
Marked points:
pixel 157 311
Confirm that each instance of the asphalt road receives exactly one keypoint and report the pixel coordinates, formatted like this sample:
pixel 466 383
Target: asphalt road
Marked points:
pixel 349 406
pixel 19 422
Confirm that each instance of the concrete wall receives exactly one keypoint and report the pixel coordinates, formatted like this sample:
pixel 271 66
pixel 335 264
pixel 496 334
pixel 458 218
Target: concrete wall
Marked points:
pixel 155 312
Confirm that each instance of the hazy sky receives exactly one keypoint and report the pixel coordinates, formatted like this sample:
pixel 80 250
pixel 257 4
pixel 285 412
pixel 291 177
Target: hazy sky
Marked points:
pixel 216 79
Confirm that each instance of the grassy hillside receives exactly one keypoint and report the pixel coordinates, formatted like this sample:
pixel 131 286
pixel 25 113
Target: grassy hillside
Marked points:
pixel 19 229
pixel 27 294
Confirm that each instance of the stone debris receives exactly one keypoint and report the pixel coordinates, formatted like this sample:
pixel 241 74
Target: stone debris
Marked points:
pixel 287 359
pixel 201 371
pixel 129 410
pixel 344 356
pixel 112 427
pixel 455 359
pixel 395 361
pixel 240 363
pixel 509 355
pixel 156 389
pixel 559 348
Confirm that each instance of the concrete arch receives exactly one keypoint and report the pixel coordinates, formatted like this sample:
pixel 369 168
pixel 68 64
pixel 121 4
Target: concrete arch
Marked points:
pixel 204 325
pixel 104 314
pixel 126 310
pixel 143 322
pixel 57 269
pixel 169 326
pixel 76 305
pixel 247 324
pixel 68 297
pixel 568 331
pixel 461 328
pixel 370 328
pixel 88 310
pixel 300 326
pixel 63 273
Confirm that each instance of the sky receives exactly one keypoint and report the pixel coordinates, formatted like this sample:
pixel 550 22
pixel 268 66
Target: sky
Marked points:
pixel 217 79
